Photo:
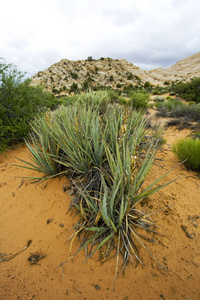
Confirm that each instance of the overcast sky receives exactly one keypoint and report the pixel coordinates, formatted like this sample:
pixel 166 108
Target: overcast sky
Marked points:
pixel 148 33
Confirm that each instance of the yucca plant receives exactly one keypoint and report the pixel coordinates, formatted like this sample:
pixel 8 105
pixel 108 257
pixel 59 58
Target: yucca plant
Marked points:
pixel 109 218
pixel 108 157
pixel 43 149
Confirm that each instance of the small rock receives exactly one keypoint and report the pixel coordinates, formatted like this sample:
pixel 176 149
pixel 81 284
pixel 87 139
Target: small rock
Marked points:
pixel 35 257
pixel 49 221
pixel 97 287
pixel 61 225
pixel 186 232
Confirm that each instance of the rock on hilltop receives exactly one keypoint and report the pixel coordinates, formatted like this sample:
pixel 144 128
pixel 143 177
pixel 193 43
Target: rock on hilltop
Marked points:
pixel 65 75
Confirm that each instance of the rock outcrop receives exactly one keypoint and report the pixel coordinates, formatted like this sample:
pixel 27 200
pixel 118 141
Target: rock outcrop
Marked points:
pixel 66 75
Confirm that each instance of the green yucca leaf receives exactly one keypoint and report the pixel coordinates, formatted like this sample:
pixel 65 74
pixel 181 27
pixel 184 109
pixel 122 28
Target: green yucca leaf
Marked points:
pixel 103 242
pixel 103 208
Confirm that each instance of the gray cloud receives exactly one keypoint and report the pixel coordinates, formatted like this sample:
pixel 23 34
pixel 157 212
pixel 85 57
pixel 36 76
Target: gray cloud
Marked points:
pixel 148 33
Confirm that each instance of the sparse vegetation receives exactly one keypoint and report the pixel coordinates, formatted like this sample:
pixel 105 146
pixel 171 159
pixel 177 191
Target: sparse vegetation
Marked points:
pixel 176 108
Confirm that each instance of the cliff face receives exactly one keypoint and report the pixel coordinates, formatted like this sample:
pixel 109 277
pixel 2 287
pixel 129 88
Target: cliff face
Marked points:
pixel 114 73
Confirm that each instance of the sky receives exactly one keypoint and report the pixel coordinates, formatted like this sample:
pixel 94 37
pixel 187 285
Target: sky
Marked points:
pixel 34 34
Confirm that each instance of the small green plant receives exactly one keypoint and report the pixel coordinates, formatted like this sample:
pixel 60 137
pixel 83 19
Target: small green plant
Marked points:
pixel 188 150
pixel 119 85
pixel 74 88
pixel 111 78
pixel 166 83
pixel 129 76
pixel 74 75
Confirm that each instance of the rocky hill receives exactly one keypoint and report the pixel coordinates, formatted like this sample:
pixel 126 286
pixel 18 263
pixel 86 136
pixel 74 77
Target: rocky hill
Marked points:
pixel 66 75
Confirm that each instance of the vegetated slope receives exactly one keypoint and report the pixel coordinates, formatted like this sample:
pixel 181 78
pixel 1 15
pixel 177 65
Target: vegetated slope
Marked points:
pixel 66 75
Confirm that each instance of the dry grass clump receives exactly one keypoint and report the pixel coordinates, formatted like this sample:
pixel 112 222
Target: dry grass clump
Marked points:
pixel 188 150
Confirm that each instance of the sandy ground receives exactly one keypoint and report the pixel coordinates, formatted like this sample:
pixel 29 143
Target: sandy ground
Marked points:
pixel 24 211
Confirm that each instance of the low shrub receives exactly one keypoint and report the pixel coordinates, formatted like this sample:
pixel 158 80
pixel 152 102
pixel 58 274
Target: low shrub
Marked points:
pixel 190 91
pixel 176 108
pixel 19 103
pixel 159 99
pixel 188 150
pixel 139 100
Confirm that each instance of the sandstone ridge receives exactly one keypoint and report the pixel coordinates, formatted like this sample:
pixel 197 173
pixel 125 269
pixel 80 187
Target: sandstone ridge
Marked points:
pixel 113 73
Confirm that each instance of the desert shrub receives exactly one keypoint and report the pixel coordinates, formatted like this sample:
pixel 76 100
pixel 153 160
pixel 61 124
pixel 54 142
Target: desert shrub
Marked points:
pixel 119 85
pixel 113 96
pixel 166 83
pixel 179 110
pixel 74 88
pixel 190 91
pixel 188 150
pixel 19 103
pixel 194 112
pixel 155 92
pixel 139 100
pixel 55 90
pixel 74 75
pixel 111 78
pixel 176 108
pixel 148 86
pixel 107 158
pixel 129 75
pixel 159 99
pixel 192 103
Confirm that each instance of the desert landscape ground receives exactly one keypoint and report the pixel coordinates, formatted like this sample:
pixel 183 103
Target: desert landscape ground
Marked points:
pixel 39 213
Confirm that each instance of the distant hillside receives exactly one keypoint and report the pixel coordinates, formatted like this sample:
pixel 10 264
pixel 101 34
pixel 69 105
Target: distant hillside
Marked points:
pixel 66 75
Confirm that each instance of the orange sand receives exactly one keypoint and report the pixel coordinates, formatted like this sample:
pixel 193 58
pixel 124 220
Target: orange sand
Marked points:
pixel 24 212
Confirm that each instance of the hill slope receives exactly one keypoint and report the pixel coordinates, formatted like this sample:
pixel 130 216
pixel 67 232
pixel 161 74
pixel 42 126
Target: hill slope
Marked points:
pixel 68 75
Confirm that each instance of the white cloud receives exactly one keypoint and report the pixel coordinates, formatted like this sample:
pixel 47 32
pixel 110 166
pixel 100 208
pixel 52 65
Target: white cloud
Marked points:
pixel 148 33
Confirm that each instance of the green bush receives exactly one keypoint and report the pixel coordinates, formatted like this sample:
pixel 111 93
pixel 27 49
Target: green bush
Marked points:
pixel 74 75
pixel 74 88
pixel 139 100
pixel 188 150
pixel 19 103
pixel 190 91
pixel 111 78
